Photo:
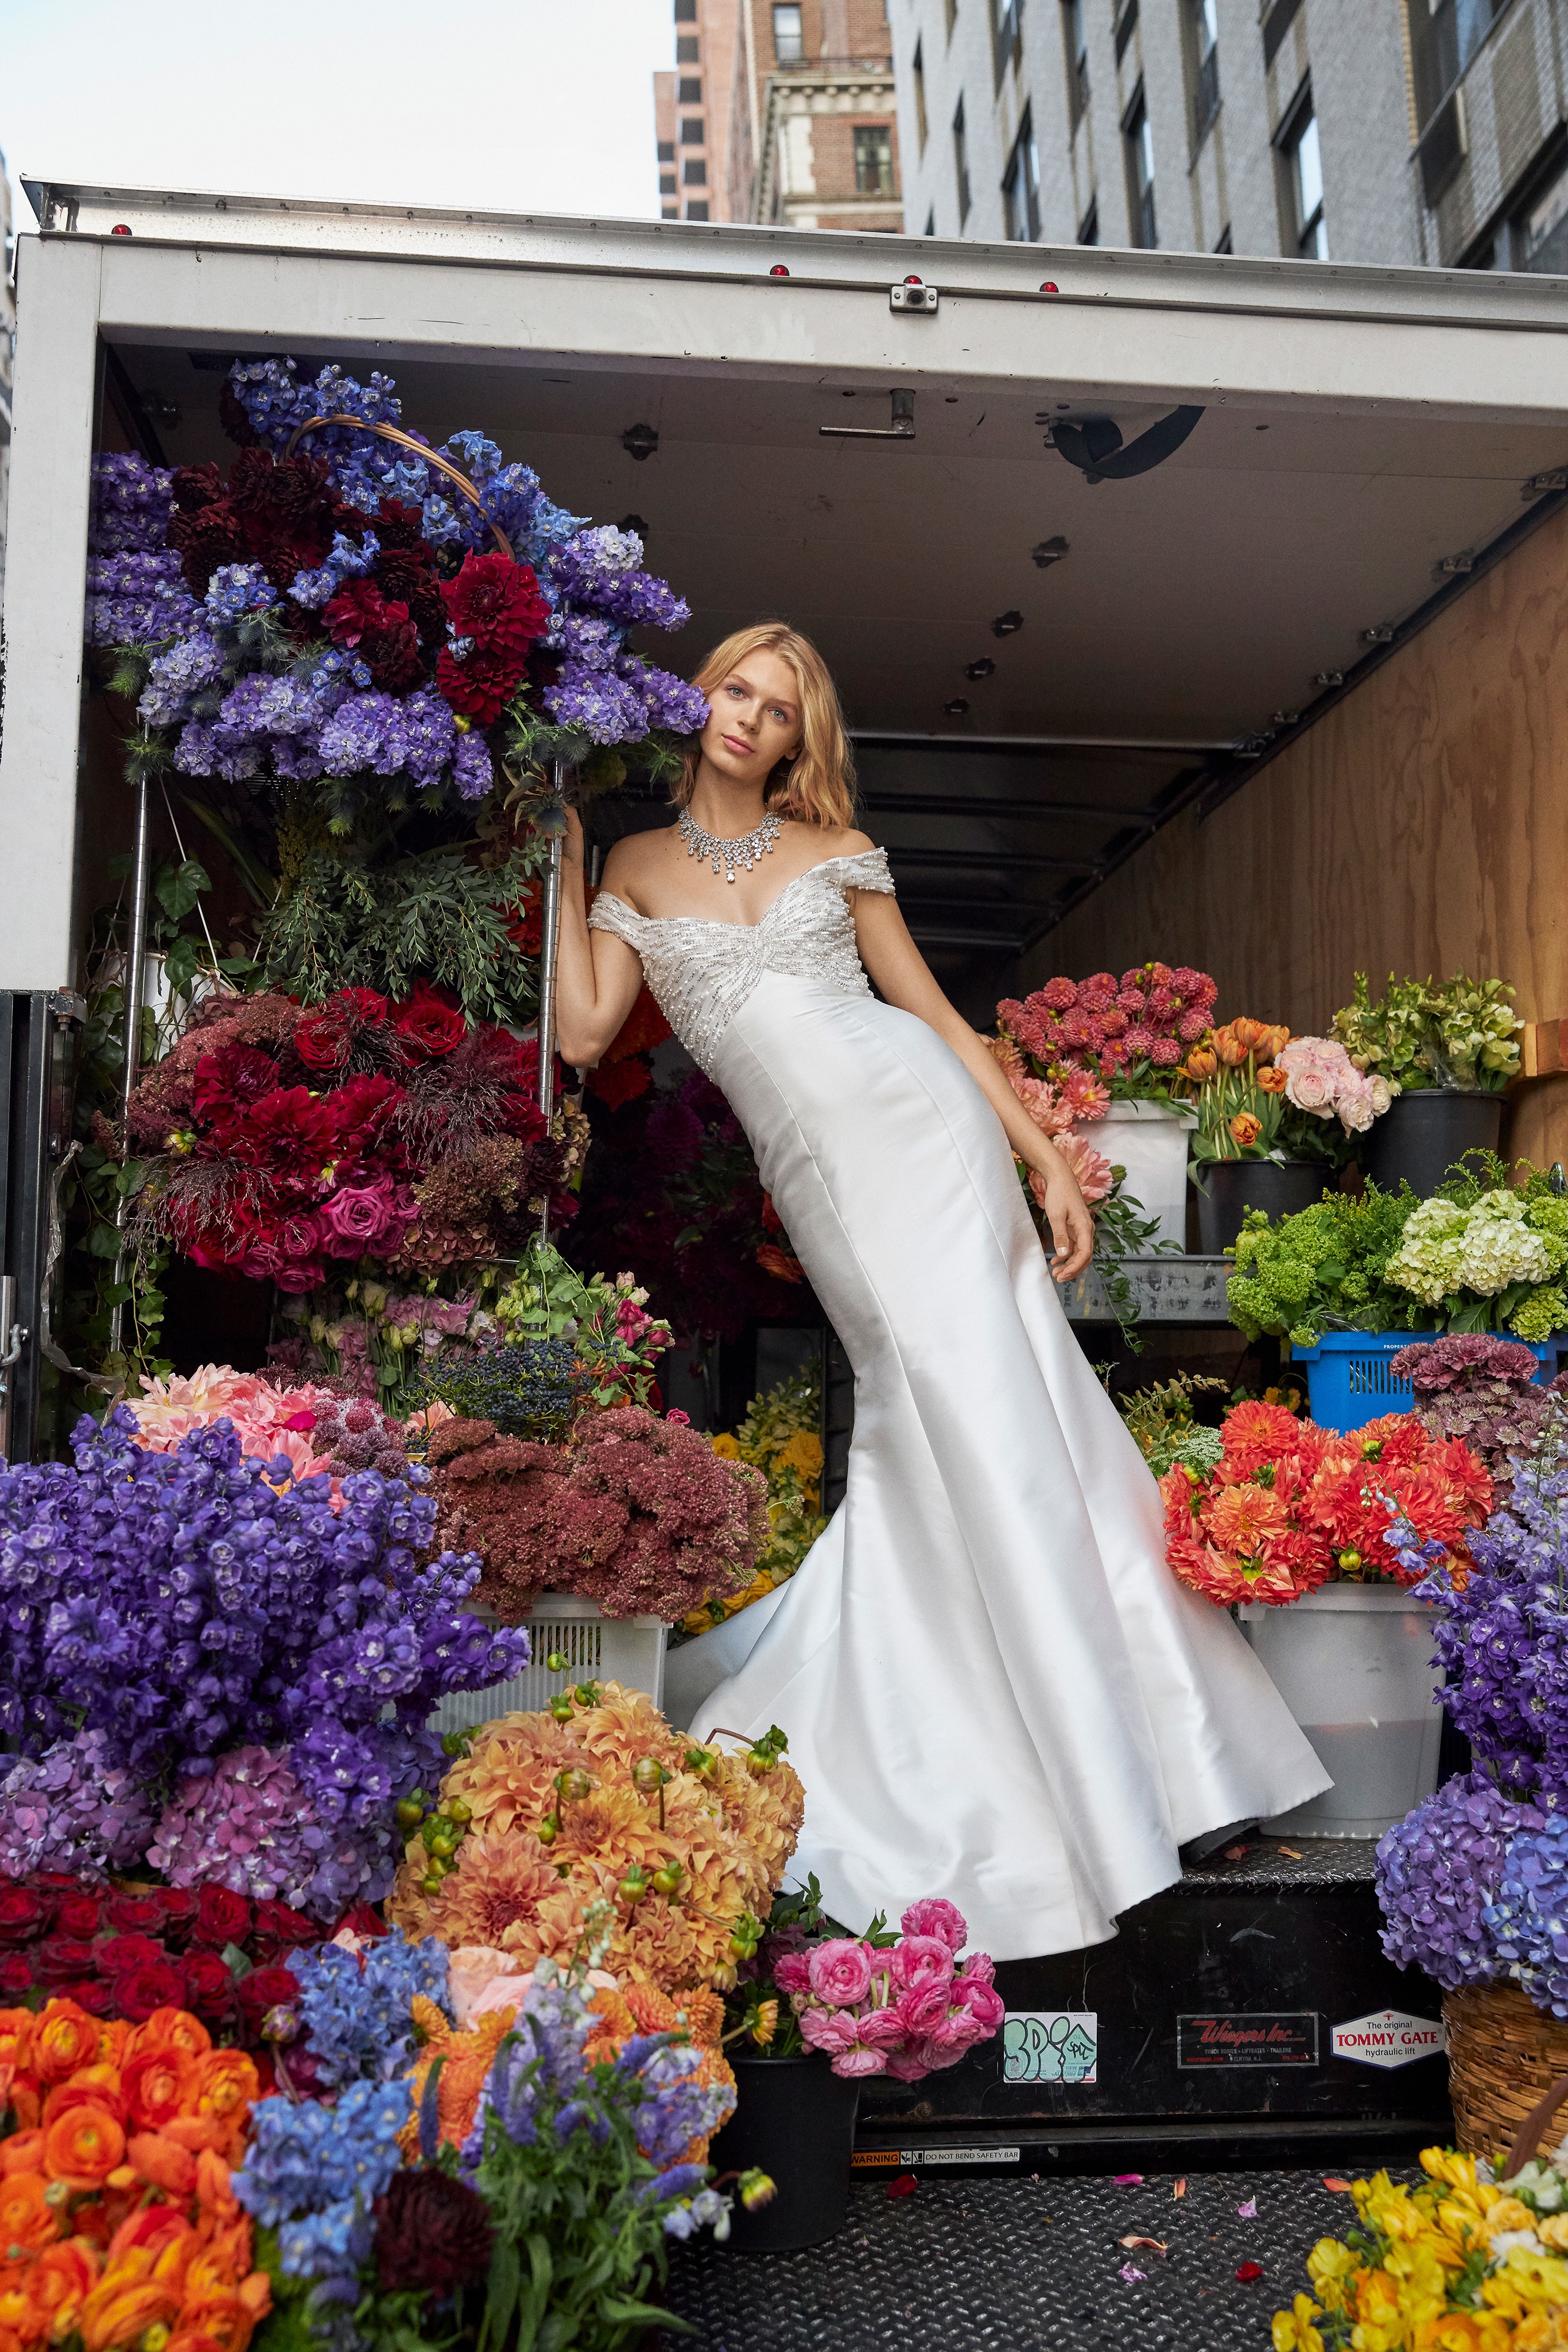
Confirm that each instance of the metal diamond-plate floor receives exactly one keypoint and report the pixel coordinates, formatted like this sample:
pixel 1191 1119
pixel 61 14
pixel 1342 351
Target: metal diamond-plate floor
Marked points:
pixel 1031 2265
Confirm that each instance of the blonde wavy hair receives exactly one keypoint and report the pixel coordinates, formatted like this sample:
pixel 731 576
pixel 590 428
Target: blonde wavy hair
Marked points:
pixel 817 786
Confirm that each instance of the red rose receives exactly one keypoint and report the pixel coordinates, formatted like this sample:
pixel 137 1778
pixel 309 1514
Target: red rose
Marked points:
pixel 115 1954
pixel 58 1958
pixel 100 2000
pixel 429 1024
pixel 323 1036
pixel 481 686
pixel 137 1992
pixel 496 602
pixel 262 1991
pixel 209 1987
pixel 22 1916
pixel 134 1914
pixel 380 629
pixel 222 1917
pixel 278 1927
pixel 179 1914
pixel 77 1915
pixel 15 1975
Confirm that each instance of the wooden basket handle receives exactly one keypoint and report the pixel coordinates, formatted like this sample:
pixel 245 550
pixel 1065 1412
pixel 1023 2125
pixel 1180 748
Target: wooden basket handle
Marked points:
pixel 406 441
pixel 1527 2139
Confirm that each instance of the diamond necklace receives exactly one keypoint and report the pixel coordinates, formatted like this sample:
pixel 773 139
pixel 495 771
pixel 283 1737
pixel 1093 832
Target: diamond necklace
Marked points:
pixel 730 853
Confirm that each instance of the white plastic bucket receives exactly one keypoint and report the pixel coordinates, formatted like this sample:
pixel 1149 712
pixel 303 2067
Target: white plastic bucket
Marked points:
pixel 625 1650
pixel 1354 1663
pixel 1150 1140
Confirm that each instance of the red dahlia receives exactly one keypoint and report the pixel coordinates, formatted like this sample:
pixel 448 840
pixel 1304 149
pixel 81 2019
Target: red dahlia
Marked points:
pixel 497 602
pixel 379 630
pixel 481 686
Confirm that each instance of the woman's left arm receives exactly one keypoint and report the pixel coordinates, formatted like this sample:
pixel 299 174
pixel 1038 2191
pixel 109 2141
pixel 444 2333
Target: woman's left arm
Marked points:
pixel 903 978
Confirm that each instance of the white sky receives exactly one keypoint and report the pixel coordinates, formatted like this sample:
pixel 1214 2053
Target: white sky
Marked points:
pixel 505 105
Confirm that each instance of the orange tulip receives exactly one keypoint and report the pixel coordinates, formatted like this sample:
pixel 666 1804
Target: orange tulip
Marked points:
pixel 1272 1079
pixel 159 2084
pixel 60 2282
pixel 22 2152
pixel 162 2162
pixel 1250 1035
pixel 1246 1128
pixel 1228 1048
pixel 221 2315
pixel 1202 1063
pixel 172 2028
pixel 64 2038
pixel 83 2146
pixel 27 2222
pixel 120 2311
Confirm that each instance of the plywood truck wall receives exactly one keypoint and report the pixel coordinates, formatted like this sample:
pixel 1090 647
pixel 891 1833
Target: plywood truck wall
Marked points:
pixel 1422 825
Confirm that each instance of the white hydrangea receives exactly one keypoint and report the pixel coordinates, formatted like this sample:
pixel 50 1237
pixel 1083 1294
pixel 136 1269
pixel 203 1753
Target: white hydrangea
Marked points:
pixel 1430 1259
pixel 1484 1249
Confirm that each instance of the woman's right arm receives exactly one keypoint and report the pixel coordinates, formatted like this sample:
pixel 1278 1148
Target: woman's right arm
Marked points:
pixel 597 976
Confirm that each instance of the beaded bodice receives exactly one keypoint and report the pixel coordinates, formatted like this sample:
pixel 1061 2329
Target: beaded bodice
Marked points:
pixel 703 972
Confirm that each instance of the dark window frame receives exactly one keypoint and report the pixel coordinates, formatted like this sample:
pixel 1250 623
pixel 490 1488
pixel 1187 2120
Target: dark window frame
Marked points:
pixel 693 130
pixel 697 208
pixel 795 54
pixel 686 11
pixel 960 161
pixel 1089 227
pixel 917 71
pixel 687 49
pixel 1203 66
pixel 1143 211
pixel 1126 25
pixel 1294 123
pixel 667 151
pixel 666 183
pixel 1276 25
pixel 861 134
pixel 1077 62
pixel 1006 36
pixel 694 172
pixel 689 91
pixel 1022 170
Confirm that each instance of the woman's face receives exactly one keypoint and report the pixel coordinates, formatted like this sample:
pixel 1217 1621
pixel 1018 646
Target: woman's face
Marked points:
pixel 754 719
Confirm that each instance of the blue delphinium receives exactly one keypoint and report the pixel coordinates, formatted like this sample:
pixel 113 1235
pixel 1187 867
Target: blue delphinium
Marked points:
pixel 357 2016
pixel 236 590
pixel 312 2173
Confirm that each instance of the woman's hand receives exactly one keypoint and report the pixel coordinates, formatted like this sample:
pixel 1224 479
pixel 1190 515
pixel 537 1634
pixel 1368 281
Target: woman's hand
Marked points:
pixel 1072 1227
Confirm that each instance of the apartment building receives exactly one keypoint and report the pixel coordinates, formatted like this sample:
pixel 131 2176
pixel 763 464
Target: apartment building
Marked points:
pixel 1375 131
pixel 780 111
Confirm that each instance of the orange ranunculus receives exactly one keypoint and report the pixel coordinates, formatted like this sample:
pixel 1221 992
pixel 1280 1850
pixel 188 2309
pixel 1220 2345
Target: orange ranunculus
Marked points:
pixel 94 2219
pixel 172 2027
pixel 89 2087
pixel 227 2084
pixel 22 2152
pixel 1246 1128
pixel 1202 1063
pixel 196 2132
pixel 212 2271
pixel 60 2282
pixel 114 2037
pixel 1272 1079
pixel 27 2218
pixel 83 2146
pixel 154 2242
pixel 1227 1046
pixel 17 2038
pixel 20 2317
pixel 215 2188
pixel 255 2294
pixel 162 2162
pixel 65 2038
pixel 221 2315
pixel 120 2311
pixel 159 2084
pixel 229 2245
pixel 189 2339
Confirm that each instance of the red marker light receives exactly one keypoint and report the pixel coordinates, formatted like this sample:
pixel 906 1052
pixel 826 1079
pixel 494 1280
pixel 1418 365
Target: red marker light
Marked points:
pixel 914 281
pixel 778 270
pixel 1050 287
pixel 120 228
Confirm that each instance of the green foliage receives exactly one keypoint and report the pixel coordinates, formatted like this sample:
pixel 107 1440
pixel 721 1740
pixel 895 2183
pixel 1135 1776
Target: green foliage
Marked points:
pixel 1424 1033
pixel 528 1387
pixel 436 916
pixel 547 1299
pixel 1323 1269
pixel 1121 1230
pixel 1164 1426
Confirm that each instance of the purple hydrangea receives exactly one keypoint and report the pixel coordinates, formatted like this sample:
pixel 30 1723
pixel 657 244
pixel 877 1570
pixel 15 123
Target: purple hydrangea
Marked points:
pixel 1504 1639
pixel 1437 1871
pixel 248 1825
pixel 1529 1917
pixel 71 1809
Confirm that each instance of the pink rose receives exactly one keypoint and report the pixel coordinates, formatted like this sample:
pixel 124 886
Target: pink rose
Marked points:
pixel 358 1217
pixel 920 1961
pixel 790 1973
pixel 984 2004
pixel 935 1916
pixel 831 2030
pixel 840 1972
pixel 921 2010
pixel 852 2064
pixel 299 1276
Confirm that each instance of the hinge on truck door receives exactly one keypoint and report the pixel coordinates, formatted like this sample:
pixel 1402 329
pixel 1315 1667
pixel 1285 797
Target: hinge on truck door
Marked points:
pixel 902 427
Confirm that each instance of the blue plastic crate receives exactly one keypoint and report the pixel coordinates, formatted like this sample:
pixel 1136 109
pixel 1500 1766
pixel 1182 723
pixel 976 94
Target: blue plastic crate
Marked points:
pixel 1349 1382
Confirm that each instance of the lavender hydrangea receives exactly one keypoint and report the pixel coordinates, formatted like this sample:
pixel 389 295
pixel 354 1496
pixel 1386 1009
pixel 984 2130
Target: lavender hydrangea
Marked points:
pixel 1440 1869
pixel 71 1809
pixel 248 1825
pixel 1529 1918
pixel 180 1604
pixel 358 2009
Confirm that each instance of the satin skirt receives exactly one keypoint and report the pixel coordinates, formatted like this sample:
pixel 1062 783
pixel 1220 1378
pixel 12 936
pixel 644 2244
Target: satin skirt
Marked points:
pixel 994 1688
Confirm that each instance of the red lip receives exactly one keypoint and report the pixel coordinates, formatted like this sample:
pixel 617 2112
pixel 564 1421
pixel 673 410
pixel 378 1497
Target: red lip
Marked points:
pixel 733 743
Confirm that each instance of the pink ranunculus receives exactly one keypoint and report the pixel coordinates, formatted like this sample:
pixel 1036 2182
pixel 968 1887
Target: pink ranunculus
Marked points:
pixel 920 2010
pixel 790 1973
pixel 831 2030
pixel 980 1967
pixel 905 2067
pixel 935 1916
pixel 933 2057
pixel 957 2030
pixel 920 1961
pixel 853 2064
pixel 981 2001
pixel 881 2028
pixel 358 1217
pixel 840 1972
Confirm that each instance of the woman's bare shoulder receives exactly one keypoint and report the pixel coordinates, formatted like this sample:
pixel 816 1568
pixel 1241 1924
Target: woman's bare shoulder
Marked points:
pixel 838 841
pixel 634 860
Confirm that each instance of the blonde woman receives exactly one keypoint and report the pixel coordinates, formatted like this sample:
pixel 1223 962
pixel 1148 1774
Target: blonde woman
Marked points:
pixel 994 1689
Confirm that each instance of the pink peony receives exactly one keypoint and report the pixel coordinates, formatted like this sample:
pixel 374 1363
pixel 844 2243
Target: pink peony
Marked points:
pixel 792 1974
pixel 920 1961
pixel 935 1916
pixel 1057 996
pixel 840 1972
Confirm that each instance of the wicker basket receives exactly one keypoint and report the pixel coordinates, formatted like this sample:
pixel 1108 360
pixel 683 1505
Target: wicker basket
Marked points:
pixel 1504 2056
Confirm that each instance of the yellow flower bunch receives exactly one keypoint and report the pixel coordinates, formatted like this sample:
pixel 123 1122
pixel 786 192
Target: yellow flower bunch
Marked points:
pixel 609 1804
pixel 779 1438
pixel 1457 2264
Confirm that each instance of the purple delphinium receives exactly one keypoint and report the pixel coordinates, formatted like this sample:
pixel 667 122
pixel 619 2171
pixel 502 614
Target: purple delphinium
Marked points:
pixel 136 598
pixel 1440 1869
pixel 179 1603
pixel 598 572
pixel 174 679
pixel 602 704
pixel 71 1809
pixel 132 503
pixel 667 701
pixel 1528 1918
pixel 248 1825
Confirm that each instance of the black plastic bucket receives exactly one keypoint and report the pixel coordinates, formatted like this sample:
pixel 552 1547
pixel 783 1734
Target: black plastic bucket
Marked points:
pixel 1226 1189
pixel 1421 1135
pixel 796 2118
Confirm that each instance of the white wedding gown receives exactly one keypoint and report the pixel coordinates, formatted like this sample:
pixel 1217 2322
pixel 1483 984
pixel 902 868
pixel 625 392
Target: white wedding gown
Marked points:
pixel 994 1689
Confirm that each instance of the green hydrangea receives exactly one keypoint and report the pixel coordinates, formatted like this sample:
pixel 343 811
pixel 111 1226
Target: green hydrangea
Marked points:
pixel 1485 1248
pixel 1543 1313
pixel 1324 1267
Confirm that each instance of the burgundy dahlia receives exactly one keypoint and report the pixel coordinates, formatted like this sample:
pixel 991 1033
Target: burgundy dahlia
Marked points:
pixel 433 2234
pixel 379 630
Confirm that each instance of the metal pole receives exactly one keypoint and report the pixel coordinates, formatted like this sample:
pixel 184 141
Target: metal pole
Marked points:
pixel 549 944
pixel 136 957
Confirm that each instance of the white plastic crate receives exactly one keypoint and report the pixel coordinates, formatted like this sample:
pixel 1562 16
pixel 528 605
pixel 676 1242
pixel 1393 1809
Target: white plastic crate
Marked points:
pixel 626 1650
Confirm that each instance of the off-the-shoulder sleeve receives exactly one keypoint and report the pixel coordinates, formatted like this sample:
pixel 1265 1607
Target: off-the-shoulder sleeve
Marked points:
pixel 867 870
pixel 609 913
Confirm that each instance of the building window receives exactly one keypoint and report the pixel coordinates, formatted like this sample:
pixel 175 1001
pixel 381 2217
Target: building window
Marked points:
pixel 1540 230
pixel 960 164
pixel 789 33
pixel 666 183
pixel 873 159
pixel 686 49
pixel 691 130
pixel 1303 160
pixel 690 90
pixel 1005 34
pixel 694 172
pixel 670 212
pixel 1138 144
pixel 920 71
pixel 930 228
pixel 1203 21
pixel 1276 25
pixel 1125 23
pixel 686 11
pixel 1443 36
pixel 1076 41
pixel 1021 186
pixel 1225 244
pixel 667 151
pixel 697 209
pixel 1089 227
